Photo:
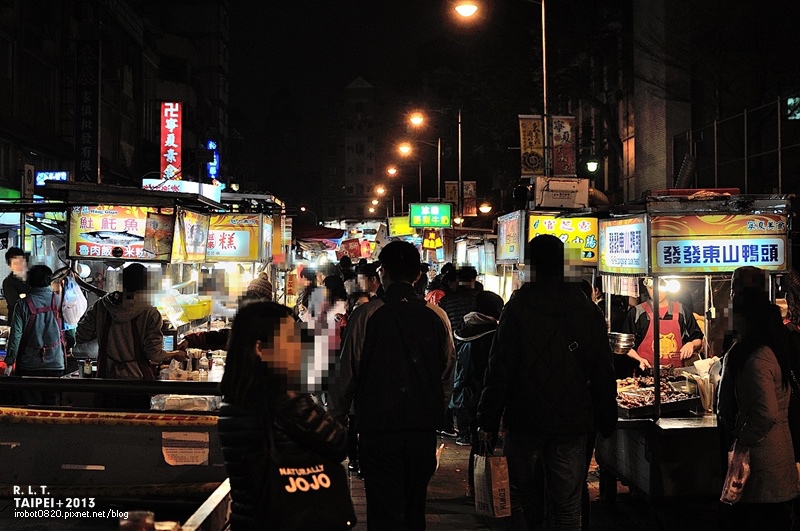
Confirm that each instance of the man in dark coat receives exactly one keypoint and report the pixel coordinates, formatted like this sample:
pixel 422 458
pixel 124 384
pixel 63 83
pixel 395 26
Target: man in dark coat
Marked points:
pixel 397 370
pixel 551 379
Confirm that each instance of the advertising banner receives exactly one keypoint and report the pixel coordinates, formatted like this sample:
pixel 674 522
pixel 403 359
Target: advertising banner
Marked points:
pixel 87 107
pixel 431 240
pixel 564 146
pixel 399 226
pixel 351 248
pixel 531 141
pixel 469 206
pixel 159 233
pixel 581 232
pixel 107 231
pixel 191 237
pixel 233 237
pixel 718 243
pixel 623 246
pixel 511 238
pixel 266 237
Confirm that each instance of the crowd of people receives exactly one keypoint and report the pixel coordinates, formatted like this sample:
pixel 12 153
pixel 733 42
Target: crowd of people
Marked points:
pixel 417 360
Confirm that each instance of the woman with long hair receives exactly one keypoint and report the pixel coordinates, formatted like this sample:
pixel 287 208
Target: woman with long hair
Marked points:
pixel 262 405
pixel 753 403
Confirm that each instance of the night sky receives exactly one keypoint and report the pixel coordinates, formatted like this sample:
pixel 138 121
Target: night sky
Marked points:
pixel 288 59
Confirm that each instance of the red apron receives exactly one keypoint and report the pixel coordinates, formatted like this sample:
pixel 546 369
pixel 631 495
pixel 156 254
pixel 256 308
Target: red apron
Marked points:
pixel 671 338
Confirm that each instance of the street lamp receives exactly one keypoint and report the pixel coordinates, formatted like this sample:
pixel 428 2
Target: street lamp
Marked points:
pixel 405 150
pixel 392 172
pixel 304 209
pixel 468 8
pixel 485 208
pixel 417 119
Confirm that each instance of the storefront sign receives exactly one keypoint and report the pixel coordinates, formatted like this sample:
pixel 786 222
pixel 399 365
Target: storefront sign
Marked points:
pixel 580 232
pixel 399 226
pixel 107 231
pixel 191 237
pixel 266 237
pixel 43 176
pixel 233 237
pixel 171 145
pixel 184 187
pixel 159 234
pixel 431 240
pixel 718 243
pixel 87 111
pixel 623 246
pixel 511 238
pixel 430 215
pixel 351 248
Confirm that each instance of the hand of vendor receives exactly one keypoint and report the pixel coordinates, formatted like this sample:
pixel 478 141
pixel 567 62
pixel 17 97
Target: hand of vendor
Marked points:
pixel 643 363
pixel 179 355
pixel 687 350
pixel 8 370
pixel 183 345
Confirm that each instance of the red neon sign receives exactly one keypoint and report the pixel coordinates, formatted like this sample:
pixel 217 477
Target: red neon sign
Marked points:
pixel 171 128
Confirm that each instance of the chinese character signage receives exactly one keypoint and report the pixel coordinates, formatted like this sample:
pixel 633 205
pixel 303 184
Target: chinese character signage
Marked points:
pixel 233 237
pixel 563 146
pixel 431 240
pixel 718 243
pixel 108 232
pixel 191 237
pixel 184 187
pixel 351 248
pixel 399 226
pixel 87 111
pixel 623 246
pixel 580 232
pixel 511 238
pixel 430 215
pixel 171 128
pixel 44 176
pixel 212 168
pixel 531 141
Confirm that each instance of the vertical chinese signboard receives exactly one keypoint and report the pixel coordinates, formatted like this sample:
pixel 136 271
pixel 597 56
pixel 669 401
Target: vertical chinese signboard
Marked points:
pixel 564 146
pixel 87 111
pixel 234 237
pixel 718 243
pixel 623 246
pixel 531 137
pixel 171 128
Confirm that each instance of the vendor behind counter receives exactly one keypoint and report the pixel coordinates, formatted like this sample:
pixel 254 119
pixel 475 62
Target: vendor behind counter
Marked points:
pixel 128 329
pixel 680 335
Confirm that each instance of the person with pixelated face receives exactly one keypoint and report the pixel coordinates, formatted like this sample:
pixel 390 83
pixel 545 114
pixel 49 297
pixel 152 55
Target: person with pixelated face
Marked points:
pixel 262 390
pixel 396 373
pixel 14 285
pixel 753 404
pixel 551 379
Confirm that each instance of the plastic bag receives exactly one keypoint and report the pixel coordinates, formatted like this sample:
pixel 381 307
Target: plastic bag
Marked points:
pixel 738 472
pixel 492 487
pixel 75 302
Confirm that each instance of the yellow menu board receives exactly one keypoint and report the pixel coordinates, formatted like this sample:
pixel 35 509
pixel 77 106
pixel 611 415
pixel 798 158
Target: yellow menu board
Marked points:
pixel 580 232
pixel 233 237
pixel 191 237
pixel 108 231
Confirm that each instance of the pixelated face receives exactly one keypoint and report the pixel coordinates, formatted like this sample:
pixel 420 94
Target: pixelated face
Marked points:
pixel 662 293
pixel 366 283
pixel 285 354
pixel 18 265
pixel 573 265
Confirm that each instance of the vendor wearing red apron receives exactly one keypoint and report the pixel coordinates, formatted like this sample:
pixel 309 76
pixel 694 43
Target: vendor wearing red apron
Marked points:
pixel 680 335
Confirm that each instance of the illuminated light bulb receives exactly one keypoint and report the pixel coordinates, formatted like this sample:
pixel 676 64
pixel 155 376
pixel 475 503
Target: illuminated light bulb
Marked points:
pixel 466 9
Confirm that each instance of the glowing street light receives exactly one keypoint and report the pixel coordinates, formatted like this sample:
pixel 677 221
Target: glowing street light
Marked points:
pixel 485 208
pixel 380 189
pixel 375 201
pixel 392 171
pixel 371 210
pixel 416 118
pixel 404 148
pixel 466 9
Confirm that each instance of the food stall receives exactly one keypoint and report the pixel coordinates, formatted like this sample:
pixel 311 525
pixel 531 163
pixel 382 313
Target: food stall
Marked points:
pixel 666 443
pixel 109 453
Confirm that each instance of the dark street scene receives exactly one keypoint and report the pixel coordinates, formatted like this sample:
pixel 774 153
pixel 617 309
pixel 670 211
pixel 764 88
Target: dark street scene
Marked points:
pixel 399 265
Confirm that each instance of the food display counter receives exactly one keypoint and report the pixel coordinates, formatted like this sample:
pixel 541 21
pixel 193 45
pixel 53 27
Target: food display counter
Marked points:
pixel 672 238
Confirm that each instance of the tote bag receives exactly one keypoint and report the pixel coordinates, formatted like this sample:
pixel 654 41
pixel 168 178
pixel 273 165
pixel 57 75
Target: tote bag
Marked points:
pixel 492 497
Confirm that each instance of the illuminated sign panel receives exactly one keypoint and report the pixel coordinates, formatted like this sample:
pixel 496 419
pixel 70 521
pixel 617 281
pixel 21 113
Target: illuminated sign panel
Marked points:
pixel 234 237
pixel 43 176
pixel 623 246
pixel 718 243
pixel 171 145
pixel 511 238
pixel 102 231
pixel 430 215
pixel 580 232
pixel 399 226
pixel 212 168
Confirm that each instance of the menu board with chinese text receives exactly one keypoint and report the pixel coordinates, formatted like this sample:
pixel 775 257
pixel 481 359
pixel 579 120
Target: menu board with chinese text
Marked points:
pixel 191 237
pixel 430 215
pixel 623 246
pixel 580 232
pixel 511 238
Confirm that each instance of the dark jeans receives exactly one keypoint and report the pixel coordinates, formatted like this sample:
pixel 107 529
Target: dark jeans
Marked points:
pixel 397 467
pixel 563 459
pixel 26 397
pixel 352 440
pixel 586 502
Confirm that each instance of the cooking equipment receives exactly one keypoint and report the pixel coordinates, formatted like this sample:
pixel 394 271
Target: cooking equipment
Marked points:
pixel 621 343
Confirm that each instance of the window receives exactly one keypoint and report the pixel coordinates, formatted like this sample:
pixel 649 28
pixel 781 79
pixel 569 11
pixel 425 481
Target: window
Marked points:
pixel 793 108
pixel 359 189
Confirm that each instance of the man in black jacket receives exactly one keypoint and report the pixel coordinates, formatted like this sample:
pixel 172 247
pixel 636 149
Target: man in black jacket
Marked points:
pixel 551 378
pixel 397 370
